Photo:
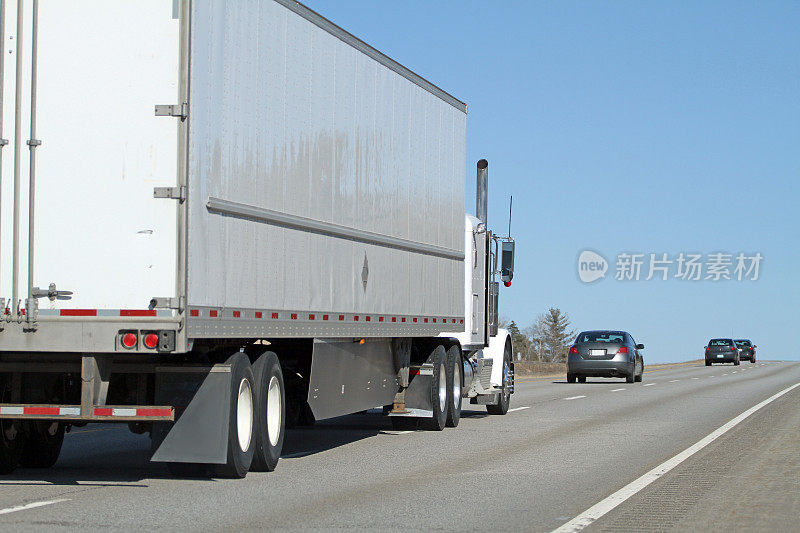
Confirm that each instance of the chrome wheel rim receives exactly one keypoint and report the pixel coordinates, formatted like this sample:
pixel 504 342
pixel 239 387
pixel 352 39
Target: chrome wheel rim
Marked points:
pixel 244 414
pixel 274 411
pixel 457 383
pixel 442 388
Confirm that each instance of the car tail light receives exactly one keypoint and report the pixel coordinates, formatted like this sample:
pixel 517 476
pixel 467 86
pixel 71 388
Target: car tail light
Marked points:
pixel 573 349
pixel 129 340
pixel 151 340
pixel 733 348
pixel 623 349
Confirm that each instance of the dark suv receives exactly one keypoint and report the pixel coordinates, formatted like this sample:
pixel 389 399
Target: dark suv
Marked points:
pixel 747 350
pixel 605 353
pixel 722 351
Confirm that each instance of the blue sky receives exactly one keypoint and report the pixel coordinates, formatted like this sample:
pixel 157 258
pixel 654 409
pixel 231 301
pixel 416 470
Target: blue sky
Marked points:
pixel 625 127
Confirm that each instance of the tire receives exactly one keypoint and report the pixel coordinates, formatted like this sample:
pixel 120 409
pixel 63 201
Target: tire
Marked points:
pixel 11 443
pixel 736 362
pixel 581 379
pixel 501 407
pixel 753 359
pixel 570 378
pixel 11 437
pixel 241 434
pixel 439 390
pixel 270 412
pixel 708 363
pixel 455 365
pixel 43 444
pixel 638 379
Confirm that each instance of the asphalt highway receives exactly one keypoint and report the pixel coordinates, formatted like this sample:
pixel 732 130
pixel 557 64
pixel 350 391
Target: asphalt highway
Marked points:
pixel 561 450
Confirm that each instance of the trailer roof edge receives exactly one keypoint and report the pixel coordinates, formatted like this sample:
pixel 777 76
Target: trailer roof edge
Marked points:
pixel 342 34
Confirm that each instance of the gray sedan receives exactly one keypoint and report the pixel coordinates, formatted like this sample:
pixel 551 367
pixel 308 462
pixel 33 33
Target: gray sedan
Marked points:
pixel 605 353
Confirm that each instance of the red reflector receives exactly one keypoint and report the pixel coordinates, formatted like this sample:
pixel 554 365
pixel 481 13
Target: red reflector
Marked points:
pixel 507 283
pixel 573 349
pixel 275 315
pixel 129 340
pixel 213 312
pixel 624 349
pixel 137 312
pixel 194 312
pixel 355 318
pixel 394 319
pixel 311 317
pixel 369 318
pixel 324 317
pixel 341 317
pixel 79 312
pixel 151 340
pixel 41 411
pixel 103 411
pixel 259 314
pixel 237 314
pixel 294 316
pixel 380 319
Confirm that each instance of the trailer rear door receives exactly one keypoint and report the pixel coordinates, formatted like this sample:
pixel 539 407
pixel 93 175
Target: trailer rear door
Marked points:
pixel 99 232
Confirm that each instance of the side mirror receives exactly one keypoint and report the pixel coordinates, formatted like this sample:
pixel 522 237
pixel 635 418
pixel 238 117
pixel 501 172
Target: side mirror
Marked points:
pixel 640 346
pixel 507 262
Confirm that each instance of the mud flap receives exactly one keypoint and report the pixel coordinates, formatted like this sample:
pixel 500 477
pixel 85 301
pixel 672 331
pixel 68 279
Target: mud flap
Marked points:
pixel 201 398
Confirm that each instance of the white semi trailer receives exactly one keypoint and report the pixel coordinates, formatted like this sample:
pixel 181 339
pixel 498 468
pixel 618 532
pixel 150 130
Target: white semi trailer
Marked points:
pixel 222 218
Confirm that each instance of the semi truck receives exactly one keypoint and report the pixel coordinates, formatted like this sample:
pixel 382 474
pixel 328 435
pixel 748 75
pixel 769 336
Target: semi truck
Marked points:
pixel 222 219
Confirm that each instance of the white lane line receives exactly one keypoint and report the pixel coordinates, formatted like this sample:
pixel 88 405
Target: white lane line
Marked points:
pixel 725 374
pixel 575 397
pixel 519 408
pixel 593 513
pixel 648 384
pixel 617 390
pixel 734 372
pixel 31 506
pixel 673 380
pixel 695 378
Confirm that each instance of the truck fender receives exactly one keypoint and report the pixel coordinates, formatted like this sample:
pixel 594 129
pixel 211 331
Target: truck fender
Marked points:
pixel 495 352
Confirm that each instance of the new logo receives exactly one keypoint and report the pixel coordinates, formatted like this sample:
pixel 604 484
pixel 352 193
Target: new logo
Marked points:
pixel 591 266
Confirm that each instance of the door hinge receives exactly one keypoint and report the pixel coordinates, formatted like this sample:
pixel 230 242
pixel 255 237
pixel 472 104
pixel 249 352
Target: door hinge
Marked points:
pixel 172 193
pixel 173 110
pixel 166 303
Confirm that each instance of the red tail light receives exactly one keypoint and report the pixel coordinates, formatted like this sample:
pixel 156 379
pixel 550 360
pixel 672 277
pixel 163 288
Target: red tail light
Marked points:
pixel 573 349
pixel 733 348
pixel 507 283
pixel 151 340
pixel 623 349
pixel 129 340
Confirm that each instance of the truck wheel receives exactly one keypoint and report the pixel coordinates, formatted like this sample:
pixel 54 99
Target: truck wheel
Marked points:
pixel 454 363
pixel 11 438
pixel 43 444
pixel 581 379
pixel 501 407
pixel 241 434
pixel 439 391
pixel 270 419
pixel 570 378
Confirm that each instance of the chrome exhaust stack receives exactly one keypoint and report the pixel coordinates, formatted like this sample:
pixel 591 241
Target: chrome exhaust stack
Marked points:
pixel 481 194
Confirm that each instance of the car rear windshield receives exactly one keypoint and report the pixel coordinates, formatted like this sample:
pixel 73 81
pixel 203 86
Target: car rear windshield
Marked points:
pixel 720 342
pixel 742 343
pixel 601 336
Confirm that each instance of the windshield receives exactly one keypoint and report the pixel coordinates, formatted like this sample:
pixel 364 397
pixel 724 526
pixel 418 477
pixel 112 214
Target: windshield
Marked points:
pixel 601 336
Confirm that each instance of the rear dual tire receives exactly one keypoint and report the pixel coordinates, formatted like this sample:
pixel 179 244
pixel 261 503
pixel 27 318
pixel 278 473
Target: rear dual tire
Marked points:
pixel 455 366
pixel 270 417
